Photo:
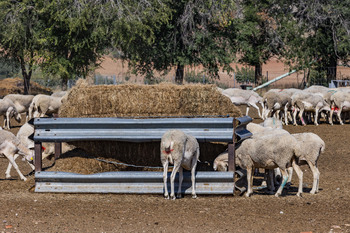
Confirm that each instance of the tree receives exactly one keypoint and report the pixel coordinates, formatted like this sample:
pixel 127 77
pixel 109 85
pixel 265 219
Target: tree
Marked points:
pixel 257 39
pixel 316 33
pixel 19 36
pixel 78 33
pixel 194 34
pixel 74 38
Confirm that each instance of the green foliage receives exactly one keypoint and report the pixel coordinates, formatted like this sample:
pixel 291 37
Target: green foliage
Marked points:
pixel 245 74
pixel 183 36
pixel 8 68
pixel 193 77
pixel 316 34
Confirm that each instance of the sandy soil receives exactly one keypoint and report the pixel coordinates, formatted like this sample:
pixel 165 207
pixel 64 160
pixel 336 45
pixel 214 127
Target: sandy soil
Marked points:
pixel 22 210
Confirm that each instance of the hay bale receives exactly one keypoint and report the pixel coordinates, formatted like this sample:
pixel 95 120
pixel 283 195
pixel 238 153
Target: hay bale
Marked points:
pixel 162 100
pixel 142 101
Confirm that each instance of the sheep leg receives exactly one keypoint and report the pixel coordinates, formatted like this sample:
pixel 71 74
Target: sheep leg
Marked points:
pixel 316 116
pixel 295 116
pixel 181 178
pixel 247 110
pixel 9 152
pixel 284 181
pixel 8 112
pixel 285 114
pixel 300 176
pixel 316 176
pixel 262 110
pixel 301 116
pixel 290 174
pixel 165 174
pixel 330 119
pixel 267 111
pixel 8 170
pixel 193 174
pixel 339 114
pixel 249 181
pixel 257 108
pixel 176 168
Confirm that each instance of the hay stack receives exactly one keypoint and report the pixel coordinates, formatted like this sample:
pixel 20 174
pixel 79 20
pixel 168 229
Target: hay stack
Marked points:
pixel 162 100
pixel 142 101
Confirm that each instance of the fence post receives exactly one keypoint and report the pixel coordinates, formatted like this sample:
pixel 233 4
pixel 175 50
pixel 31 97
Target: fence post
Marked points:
pixel 38 156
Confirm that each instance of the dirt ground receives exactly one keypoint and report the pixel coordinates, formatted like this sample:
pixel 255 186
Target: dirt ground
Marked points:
pixel 22 210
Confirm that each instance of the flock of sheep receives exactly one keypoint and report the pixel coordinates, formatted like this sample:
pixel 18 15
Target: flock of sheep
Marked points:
pixel 293 105
pixel 13 105
pixel 270 147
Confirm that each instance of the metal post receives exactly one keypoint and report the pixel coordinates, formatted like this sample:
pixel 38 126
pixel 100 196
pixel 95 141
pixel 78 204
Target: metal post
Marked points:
pixel 231 156
pixel 58 150
pixel 38 156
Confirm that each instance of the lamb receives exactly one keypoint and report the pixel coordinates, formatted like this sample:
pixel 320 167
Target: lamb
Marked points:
pixel 44 105
pixel 10 145
pixel 269 152
pixel 8 110
pixel 341 100
pixel 311 147
pixel 21 102
pixel 244 97
pixel 182 150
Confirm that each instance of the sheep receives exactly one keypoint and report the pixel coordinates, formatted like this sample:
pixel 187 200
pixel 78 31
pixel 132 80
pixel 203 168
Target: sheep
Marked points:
pixel 44 105
pixel 274 101
pixel 269 152
pixel 182 150
pixel 10 145
pixel 309 102
pixel 22 102
pixel 59 94
pixel 342 101
pixel 311 147
pixel 244 97
pixel 269 126
pixel 48 149
pixel 8 110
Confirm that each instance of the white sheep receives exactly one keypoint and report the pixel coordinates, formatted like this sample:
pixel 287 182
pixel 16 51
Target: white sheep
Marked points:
pixel 308 102
pixel 59 94
pixel 244 97
pixel 182 150
pixel 311 147
pixel 269 152
pixel 8 110
pixel 44 105
pixel 341 100
pixel 274 102
pixel 48 149
pixel 9 147
pixel 21 102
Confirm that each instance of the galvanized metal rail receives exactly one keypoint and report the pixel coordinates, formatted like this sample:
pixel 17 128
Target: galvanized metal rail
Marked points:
pixel 60 130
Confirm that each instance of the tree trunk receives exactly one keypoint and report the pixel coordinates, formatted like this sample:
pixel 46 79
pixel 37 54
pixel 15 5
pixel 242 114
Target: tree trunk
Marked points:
pixel 332 69
pixel 26 79
pixel 64 81
pixel 26 82
pixel 258 74
pixel 179 77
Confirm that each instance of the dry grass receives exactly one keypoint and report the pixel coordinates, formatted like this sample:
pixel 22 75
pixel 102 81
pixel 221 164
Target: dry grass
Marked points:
pixel 142 101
